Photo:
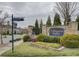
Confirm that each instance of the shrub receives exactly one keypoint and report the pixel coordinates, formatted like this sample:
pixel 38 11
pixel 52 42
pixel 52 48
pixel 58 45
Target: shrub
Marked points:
pixel 26 38
pixel 45 38
pixel 41 37
pixel 55 40
pixel 70 41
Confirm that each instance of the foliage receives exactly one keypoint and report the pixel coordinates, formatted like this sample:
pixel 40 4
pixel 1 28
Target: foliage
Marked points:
pixel 48 23
pixel 41 24
pixel 25 50
pixel 41 37
pixel 57 20
pixel 4 33
pixel 26 38
pixel 46 45
pixel 36 29
pixel 77 20
pixel 2 22
pixel 8 32
pixel 67 10
pixel 45 38
pixel 70 41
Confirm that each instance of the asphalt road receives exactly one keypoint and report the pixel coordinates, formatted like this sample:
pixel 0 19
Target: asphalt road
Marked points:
pixel 9 37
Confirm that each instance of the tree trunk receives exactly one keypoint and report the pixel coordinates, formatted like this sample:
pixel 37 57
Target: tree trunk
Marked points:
pixel 1 39
pixel 1 29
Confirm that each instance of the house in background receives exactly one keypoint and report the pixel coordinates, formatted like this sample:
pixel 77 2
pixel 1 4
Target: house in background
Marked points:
pixel 7 29
pixel 30 27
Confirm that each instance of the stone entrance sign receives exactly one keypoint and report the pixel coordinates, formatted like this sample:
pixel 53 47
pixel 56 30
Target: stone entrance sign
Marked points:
pixel 56 31
pixel 72 28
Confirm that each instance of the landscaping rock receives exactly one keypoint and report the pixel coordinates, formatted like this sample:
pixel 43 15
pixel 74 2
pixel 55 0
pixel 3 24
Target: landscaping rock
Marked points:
pixel 61 48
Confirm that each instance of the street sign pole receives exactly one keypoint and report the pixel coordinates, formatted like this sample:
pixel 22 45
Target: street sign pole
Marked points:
pixel 14 19
pixel 12 36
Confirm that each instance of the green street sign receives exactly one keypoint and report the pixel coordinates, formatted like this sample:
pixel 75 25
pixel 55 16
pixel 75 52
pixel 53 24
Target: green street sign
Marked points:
pixel 18 19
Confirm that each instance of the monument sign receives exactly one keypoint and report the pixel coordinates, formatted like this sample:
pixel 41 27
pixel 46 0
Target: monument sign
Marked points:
pixel 56 31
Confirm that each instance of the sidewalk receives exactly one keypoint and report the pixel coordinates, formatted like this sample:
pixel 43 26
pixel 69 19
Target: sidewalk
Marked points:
pixel 8 46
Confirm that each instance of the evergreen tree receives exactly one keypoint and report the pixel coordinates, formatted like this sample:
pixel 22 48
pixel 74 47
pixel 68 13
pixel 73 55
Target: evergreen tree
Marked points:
pixel 41 24
pixel 57 21
pixel 48 23
pixel 36 28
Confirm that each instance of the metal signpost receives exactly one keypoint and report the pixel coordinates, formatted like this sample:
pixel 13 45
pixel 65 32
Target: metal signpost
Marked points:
pixel 12 36
pixel 14 19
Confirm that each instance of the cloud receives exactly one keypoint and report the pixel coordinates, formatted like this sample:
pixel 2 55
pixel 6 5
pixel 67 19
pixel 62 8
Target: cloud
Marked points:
pixel 30 10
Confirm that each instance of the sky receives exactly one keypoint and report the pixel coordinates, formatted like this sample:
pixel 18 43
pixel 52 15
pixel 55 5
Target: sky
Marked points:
pixel 29 10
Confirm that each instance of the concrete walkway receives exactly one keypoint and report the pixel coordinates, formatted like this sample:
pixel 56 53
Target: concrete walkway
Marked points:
pixel 8 46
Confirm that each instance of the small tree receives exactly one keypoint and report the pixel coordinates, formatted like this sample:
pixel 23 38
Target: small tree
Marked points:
pixel 41 24
pixel 48 23
pixel 57 21
pixel 2 23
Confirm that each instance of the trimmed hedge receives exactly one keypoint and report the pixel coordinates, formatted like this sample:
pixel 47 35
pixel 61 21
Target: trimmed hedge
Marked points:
pixel 45 38
pixel 70 41
pixel 26 38
pixel 41 37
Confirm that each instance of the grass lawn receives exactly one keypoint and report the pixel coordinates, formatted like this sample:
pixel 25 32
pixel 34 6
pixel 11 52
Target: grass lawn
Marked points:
pixel 46 45
pixel 24 50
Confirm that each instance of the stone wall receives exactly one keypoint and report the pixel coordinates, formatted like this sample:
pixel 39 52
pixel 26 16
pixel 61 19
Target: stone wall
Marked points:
pixel 69 29
pixel 30 30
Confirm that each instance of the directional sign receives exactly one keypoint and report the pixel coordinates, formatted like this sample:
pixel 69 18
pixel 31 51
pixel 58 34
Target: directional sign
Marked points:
pixel 18 19
pixel 14 19
pixel 56 32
